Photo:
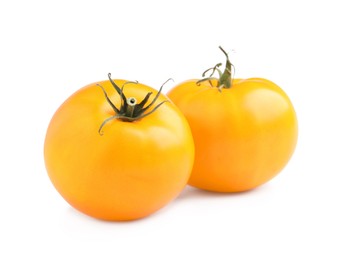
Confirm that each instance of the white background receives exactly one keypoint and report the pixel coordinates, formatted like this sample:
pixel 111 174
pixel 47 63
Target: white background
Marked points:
pixel 49 49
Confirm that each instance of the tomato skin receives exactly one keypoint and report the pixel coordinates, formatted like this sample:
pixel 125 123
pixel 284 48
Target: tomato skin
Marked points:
pixel 133 169
pixel 244 135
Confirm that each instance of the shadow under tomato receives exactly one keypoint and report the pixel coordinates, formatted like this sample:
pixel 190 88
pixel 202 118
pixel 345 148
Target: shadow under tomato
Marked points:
pixel 190 192
pixel 76 215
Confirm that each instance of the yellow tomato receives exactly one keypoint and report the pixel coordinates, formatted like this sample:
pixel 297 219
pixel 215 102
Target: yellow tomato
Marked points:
pixel 245 130
pixel 113 161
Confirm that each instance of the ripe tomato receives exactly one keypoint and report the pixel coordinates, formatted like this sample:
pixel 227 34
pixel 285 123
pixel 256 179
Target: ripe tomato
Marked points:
pixel 245 130
pixel 114 158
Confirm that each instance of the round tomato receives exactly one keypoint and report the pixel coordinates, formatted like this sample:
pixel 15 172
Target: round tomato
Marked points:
pixel 245 130
pixel 118 153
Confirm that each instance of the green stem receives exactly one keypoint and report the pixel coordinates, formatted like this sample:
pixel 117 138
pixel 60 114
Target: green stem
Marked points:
pixel 131 103
pixel 225 79
pixel 130 110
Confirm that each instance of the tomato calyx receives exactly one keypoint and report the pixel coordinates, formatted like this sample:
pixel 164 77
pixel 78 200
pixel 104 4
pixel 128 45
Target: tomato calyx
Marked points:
pixel 225 78
pixel 129 109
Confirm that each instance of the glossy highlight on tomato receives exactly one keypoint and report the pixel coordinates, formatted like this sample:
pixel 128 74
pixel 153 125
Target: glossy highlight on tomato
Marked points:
pixel 112 161
pixel 245 130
